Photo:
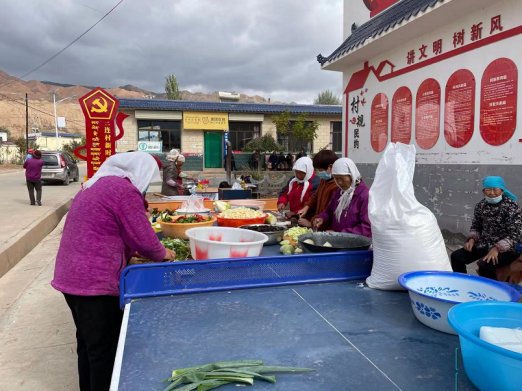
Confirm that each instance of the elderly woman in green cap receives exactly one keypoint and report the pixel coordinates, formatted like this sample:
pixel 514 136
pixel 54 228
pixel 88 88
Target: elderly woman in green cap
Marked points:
pixel 495 230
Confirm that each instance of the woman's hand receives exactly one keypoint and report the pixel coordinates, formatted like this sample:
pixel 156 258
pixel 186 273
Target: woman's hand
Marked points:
pixel 318 221
pixel 492 256
pixel 170 255
pixel 468 246
pixel 303 211
pixel 304 222
pixel 280 207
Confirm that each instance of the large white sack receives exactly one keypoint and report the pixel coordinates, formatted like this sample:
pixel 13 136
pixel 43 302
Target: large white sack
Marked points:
pixel 405 234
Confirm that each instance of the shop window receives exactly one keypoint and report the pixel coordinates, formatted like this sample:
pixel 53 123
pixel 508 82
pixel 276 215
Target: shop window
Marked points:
pixel 336 136
pixel 168 132
pixel 240 133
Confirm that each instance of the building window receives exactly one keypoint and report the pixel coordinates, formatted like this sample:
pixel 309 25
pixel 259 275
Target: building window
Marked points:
pixel 240 133
pixel 336 136
pixel 294 145
pixel 168 132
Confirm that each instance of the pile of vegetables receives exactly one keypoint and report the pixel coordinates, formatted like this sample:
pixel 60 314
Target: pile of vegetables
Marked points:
pixel 221 206
pixel 241 213
pixel 290 240
pixel 166 215
pixel 187 219
pixel 180 246
pixel 214 375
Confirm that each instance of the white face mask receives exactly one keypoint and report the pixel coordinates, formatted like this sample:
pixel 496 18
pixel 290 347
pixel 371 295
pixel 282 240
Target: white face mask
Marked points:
pixel 493 200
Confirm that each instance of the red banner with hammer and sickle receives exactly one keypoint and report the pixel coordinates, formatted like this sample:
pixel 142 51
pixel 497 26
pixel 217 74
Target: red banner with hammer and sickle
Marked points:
pixel 100 110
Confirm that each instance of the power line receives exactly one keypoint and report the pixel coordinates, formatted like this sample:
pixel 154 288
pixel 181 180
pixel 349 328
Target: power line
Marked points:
pixel 66 47
pixel 35 109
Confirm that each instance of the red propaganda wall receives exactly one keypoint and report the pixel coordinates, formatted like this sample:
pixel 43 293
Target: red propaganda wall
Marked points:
pixel 379 122
pixel 498 101
pixel 427 114
pixel 401 116
pixel 459 110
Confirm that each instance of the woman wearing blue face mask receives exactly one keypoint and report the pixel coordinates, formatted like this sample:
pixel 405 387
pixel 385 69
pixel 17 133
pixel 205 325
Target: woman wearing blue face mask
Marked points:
pixel 495 230
pixel 323 162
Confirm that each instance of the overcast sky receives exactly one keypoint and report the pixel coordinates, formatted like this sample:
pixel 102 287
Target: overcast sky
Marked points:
pixel 263 47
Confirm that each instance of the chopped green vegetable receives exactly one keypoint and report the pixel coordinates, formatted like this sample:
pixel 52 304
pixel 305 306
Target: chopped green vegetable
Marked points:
pixel 180 246
pixel 287 249
pixel 214 375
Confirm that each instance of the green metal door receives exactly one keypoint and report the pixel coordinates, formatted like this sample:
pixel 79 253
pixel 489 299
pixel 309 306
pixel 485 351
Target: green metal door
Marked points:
pixel 213 149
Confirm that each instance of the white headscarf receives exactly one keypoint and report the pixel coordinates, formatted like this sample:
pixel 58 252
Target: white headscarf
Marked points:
pixel 139 167
pixel 305 165
pixel 345 166
pixel 175 155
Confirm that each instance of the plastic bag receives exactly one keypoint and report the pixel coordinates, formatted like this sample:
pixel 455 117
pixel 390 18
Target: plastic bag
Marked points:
pixel 236 186
pixel 405 234
pixel 193 204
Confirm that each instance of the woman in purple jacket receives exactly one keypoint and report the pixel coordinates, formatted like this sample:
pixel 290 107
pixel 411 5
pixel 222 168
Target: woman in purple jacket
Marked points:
pixel 106 225
pixel 348 209
pixel 33 176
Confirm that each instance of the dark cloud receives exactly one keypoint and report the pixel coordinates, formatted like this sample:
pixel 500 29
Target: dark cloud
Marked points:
pixel 265 47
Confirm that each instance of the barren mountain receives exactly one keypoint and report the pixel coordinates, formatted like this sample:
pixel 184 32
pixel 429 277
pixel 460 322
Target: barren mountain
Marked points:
pixel 41 111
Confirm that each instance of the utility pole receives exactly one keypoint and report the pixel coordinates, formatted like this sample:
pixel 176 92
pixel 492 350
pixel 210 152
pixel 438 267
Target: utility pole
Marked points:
pixel 26 123
pixel 55 121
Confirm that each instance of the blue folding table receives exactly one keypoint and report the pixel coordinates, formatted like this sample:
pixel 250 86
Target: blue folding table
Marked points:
pixel 309 310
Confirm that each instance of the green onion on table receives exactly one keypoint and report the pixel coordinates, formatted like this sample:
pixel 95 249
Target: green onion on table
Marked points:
pixel 213 375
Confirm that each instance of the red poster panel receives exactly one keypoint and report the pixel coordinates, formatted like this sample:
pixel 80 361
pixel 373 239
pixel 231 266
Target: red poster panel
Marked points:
pixel 379 122
pixel 100 110
pixel 427 114
pixel 498 101
pixel 459 109
pixel 401 116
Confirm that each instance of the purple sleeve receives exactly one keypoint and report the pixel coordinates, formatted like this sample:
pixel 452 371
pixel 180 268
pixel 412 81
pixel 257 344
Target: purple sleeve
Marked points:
pixel 364 226
pixel 328 213
pixel 137 233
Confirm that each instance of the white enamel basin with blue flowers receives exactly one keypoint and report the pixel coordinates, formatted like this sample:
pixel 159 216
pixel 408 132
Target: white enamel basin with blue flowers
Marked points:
pixel 433 293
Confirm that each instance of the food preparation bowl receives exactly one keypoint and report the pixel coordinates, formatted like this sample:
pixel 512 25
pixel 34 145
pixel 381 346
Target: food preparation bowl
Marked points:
pixel 252 204
pixel 433 293
pixel 178 230
pixel 224 222
pixel 340 241
pixel 224 242
pixel 274 232
pixel 204 211
pixel 488 366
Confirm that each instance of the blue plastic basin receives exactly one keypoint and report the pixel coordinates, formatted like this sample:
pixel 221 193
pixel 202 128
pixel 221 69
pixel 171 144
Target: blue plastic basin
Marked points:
pixel 488 366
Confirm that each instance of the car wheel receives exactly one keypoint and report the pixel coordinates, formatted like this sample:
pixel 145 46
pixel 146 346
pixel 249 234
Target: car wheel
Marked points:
pixel 66 180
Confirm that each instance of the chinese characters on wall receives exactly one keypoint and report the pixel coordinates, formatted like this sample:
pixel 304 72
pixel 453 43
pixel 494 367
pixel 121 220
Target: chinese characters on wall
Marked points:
pixel 460 38
pixel 498 103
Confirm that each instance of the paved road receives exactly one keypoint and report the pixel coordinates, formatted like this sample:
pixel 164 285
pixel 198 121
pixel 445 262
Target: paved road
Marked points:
pixel 18 217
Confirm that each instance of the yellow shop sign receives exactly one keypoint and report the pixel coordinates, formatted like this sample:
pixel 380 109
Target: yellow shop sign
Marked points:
pixel 205 121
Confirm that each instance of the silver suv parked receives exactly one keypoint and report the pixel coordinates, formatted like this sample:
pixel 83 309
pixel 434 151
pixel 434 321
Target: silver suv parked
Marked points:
pixel 59 166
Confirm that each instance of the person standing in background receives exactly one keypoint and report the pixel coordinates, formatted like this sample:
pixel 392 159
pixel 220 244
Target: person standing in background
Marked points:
pixel 172 180
pixel 33 175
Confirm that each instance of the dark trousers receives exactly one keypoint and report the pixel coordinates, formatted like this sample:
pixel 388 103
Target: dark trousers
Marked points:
pixel 98 322
pixel 460 258
pixel 31 187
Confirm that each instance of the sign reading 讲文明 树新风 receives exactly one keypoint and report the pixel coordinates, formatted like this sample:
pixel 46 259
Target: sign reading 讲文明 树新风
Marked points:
pixel 100 110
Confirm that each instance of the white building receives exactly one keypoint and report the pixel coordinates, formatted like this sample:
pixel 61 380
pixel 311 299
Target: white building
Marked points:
pixel 442 75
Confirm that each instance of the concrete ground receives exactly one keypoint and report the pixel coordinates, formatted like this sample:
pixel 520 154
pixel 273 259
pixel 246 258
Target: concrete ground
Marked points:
pixel 36 328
